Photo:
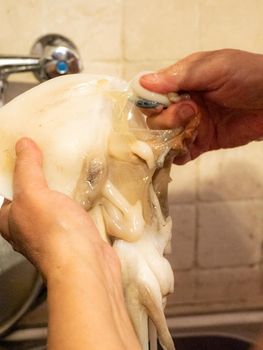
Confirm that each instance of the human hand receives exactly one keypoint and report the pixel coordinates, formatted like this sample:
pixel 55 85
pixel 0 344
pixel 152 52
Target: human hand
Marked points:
pixel 81 270
pixel 46 226
pixel 226 89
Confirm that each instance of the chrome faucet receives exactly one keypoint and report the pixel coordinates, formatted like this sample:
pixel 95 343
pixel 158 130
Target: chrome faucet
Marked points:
pixel 52 55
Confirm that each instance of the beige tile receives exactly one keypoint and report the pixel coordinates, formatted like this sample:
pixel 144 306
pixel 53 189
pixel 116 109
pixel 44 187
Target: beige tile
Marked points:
pixel 231 23
pixel 184 289
pixel 228 284
pixel 183 238
pixel 114 69
pixel 156 30
pixel 94 26
pixel 231 174
pixel 25 77
pixel 130 69
pixel 182 188
pixel 208 288
pixel 229 233
pixel 21 24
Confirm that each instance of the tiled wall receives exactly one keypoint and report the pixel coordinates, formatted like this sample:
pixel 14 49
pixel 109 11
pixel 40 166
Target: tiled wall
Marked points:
pixel 217 200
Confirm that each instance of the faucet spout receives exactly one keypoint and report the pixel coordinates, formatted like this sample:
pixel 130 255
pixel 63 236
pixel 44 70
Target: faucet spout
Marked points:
pixel 52 55
pixel 14 64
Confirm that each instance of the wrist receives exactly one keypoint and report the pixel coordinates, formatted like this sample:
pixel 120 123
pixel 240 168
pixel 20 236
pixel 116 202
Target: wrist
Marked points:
pixel 69 264
pixel 91 296
pixel 66 252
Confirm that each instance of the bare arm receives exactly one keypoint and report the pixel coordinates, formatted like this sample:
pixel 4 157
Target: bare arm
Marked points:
pixel 85 297
pixel 86 308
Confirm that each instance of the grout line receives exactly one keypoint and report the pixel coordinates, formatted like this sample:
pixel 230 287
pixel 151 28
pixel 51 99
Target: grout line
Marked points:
pixel 122 39
pixel 196 214
pixel 219 268
pixel 198 25
pixel 230 200
pixel 44 16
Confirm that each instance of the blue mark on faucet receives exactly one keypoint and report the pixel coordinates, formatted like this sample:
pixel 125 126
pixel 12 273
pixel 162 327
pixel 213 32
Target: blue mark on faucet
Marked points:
pixel 62 67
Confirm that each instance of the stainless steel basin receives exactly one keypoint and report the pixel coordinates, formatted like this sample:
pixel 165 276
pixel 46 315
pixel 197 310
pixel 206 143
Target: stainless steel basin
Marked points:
pixel 210 342
pixel 217 331
pixel 200 342
pixel 19 286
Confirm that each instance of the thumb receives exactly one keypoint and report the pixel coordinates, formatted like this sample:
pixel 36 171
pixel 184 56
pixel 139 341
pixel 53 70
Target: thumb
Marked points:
pixel 28 173
pixel 162 82
pixel 189 73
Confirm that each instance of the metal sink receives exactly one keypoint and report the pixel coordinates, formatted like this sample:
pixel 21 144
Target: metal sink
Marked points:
pixel 210 342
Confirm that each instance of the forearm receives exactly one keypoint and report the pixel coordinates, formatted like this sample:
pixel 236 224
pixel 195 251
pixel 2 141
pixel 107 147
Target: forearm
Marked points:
pixel 84 314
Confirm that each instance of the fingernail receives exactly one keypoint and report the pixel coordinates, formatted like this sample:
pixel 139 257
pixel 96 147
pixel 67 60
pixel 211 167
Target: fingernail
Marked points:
pixel 151 78
pixel 22 144
pixel 186 112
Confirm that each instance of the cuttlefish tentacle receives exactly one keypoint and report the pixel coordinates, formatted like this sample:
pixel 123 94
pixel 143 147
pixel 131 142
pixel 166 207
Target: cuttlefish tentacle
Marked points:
pixel 147 275
pixel 155 312
pixel 143 290
pixel 138 314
